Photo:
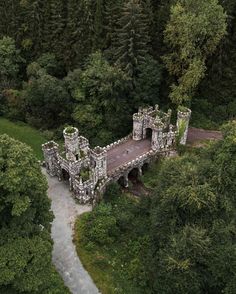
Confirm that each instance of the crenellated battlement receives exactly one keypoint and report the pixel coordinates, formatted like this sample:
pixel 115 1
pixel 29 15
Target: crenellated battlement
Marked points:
pixel 89 170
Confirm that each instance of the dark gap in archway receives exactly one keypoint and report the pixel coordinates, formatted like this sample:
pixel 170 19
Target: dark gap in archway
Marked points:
pixel 134 175
pixel 149 133
pixel 145 167
pixel 65 175
pixel 121 181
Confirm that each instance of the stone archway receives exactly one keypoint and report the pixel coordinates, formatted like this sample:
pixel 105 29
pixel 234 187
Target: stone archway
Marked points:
pixel 65 175
pixel 133 175
pixel 121 181
pixel 145 167
pixel 148 132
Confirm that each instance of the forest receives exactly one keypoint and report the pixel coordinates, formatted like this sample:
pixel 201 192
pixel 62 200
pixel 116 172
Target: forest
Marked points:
pixel 78 62
pixel 92 64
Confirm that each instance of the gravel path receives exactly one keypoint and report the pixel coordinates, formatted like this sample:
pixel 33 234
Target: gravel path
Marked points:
pixel 196 135
pixel 64 253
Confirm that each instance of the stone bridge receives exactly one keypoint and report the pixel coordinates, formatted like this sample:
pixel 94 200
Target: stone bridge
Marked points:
pixel 88 171
pixel 130 155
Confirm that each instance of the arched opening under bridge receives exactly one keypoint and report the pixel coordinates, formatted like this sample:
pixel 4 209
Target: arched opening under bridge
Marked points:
pixel 145 167
pixel 133 175
pixel 65 175
pixel 121 181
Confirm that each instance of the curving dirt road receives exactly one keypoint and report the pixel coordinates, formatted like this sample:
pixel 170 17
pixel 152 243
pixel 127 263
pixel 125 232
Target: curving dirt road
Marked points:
pixel 196 135
pixel 64 253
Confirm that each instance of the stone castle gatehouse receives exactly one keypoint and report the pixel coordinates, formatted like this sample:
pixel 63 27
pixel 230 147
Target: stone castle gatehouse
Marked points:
pixel 88 170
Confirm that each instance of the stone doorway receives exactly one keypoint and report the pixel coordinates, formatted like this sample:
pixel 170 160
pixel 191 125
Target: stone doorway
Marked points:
pixel 145 167
pixel 133 175
pixel 149 134
pixel 121 181
pixel 65 175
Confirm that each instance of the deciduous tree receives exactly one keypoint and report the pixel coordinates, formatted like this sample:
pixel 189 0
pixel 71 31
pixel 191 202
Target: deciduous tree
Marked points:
pixel 9 62
pixel 192 34
pixel 25 217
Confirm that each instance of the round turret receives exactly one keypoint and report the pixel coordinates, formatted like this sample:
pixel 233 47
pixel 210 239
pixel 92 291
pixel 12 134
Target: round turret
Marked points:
pixel 183 118
pixel 137 126
pixel 71 136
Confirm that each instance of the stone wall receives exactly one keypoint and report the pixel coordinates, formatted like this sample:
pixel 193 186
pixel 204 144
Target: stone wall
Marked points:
pixel 183 118
pixel 86 168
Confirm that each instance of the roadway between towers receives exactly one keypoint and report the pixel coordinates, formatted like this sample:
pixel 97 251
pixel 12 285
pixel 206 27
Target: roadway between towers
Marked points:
pixel 126 152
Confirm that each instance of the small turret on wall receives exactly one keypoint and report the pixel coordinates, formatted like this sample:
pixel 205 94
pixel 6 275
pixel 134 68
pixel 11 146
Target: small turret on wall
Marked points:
pixel 71 136
pixel 99 159
pixel 50 151
pixel 183 118
pixel 137 126
pixel 157 135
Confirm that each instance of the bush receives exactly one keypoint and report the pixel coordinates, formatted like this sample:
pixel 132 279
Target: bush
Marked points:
pixel 113 191
pixel 49 135
pixel 101 227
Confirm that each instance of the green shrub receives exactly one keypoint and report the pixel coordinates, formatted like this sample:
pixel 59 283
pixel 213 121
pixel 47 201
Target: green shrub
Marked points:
pixel 49 135
pixel 113 191
pixel 101 227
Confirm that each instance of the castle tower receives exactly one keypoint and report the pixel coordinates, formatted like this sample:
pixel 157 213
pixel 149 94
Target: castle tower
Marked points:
pixel 137 126
pixel 99 158
pixel 183 118
pixel 71 136
pixel 157 135
pixel 50 151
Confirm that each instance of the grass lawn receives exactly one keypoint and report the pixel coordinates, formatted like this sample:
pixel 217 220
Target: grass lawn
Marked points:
pixel 91 259
pixel 25 134
pixel 115 265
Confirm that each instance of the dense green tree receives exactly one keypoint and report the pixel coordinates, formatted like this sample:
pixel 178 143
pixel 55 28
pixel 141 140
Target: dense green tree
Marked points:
pixel 216 99
pixel 10 18
pixel 79 32
pixel 13 106
pixel 104 228
pixel 31 33
pixel 132 38
pixel 192 33
pixel 113 10
pixel 99 25
pixel 9 63
pixel 99 91
pixel 148 83
pixel 46 100
pixel 49 62
pixel 25 217
pixel 54 28
pixel 193 222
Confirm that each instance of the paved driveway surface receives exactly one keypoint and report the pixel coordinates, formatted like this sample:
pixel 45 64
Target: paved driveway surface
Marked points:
pixel 64 253
pixel 195 135
pixel 126 152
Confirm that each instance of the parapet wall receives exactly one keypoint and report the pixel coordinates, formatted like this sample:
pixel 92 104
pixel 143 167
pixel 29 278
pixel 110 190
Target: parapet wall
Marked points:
pixel 117 143
pixel 86 168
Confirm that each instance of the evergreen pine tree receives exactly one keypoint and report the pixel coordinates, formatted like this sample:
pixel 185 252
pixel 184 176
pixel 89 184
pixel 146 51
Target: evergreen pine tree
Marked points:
pixel 32 31
pixel 132 38
pixel 10 19
pixel 56 25
pixel 98 39
pixel 112 16
pixel 79 32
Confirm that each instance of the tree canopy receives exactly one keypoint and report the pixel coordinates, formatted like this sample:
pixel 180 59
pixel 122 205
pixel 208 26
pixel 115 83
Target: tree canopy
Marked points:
pixel 193 222
pixel 192 34
pixel 25 217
